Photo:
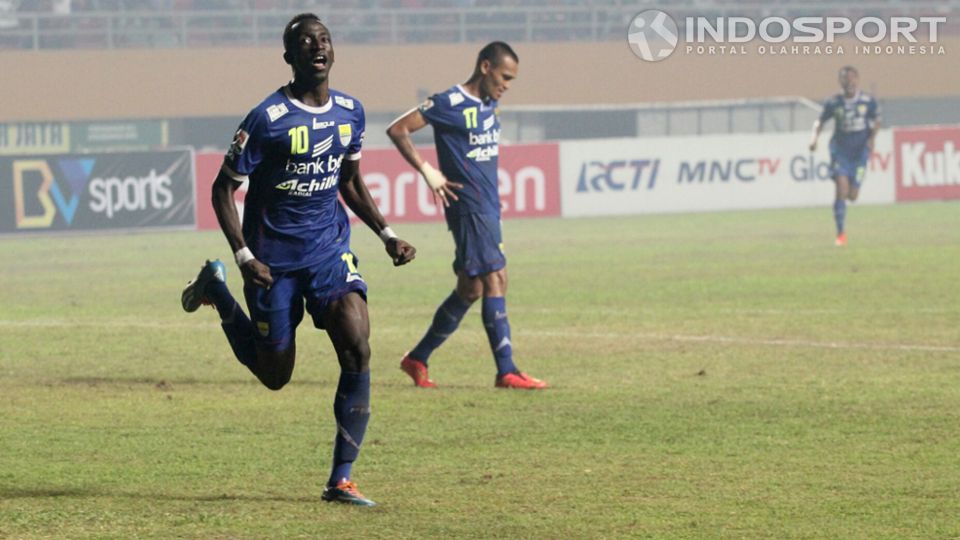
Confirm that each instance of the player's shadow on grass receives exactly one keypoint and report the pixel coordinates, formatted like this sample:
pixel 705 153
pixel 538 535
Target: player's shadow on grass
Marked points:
pixel 83 493
pixel 172 384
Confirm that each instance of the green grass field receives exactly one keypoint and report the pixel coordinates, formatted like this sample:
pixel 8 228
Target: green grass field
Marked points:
pixel 728 375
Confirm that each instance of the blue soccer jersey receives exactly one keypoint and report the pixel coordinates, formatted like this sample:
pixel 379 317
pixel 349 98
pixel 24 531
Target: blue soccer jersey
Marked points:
pixel 854 119
pixel 467 134
pixel 291 153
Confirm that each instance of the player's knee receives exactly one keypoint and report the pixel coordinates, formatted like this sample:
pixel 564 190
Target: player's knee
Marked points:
pixel 495 283
pixel 470 295
pixel 275 381
pixel 355 356
pixel 276 368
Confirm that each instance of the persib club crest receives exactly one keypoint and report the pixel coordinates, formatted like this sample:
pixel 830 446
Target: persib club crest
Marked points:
pixel 345 134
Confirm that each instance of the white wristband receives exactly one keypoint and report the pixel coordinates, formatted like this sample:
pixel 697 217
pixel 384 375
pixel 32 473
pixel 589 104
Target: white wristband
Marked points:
pixel 386 234
pixel 434 178
pixel 243 256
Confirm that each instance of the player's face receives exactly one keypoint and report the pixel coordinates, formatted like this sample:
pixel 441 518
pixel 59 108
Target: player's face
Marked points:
pixel 312 55
pixel 849 81
pixel 496 80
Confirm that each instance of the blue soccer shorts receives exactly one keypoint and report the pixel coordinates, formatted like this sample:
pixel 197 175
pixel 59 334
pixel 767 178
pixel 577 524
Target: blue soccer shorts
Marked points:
pixel 276 312
pixel 854 167
pixel 479 243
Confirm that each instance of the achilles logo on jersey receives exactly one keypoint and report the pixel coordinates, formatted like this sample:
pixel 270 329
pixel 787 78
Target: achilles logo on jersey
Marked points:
pixel 484 153
pixel 306 189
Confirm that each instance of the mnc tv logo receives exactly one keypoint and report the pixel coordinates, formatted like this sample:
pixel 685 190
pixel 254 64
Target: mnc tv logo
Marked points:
pixel 43 188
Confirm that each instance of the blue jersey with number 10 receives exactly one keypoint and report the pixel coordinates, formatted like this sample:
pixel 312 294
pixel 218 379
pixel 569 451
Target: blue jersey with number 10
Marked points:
pixel 292 153
pixel 466 131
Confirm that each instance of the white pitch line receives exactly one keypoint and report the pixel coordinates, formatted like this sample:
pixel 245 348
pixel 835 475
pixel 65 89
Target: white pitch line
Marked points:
pixel 752 341
pixel 126 323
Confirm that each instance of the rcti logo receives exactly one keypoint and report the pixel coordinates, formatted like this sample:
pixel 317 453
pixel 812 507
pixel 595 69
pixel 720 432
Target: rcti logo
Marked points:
pixel 653 35
pixel 49 193
pixel 618 175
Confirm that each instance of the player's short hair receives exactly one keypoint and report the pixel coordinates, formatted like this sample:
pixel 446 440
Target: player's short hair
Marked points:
pixel 290 30
pixel 493 52
pixel 849 69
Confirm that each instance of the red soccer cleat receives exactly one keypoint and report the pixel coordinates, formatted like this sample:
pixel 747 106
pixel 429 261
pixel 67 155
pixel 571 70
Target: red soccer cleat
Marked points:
pixel 417 371
pixel 519 379
pixel 841 240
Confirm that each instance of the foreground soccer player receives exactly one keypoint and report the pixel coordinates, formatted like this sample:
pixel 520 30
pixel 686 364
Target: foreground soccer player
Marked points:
pixel 466 126
pixel 299 148
pixel 856 118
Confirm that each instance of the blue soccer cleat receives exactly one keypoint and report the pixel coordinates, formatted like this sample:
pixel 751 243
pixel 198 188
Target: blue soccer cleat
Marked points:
pixel 346 492
pixel 193 294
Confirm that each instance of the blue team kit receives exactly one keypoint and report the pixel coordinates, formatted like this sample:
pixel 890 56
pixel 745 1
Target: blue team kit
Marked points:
pixel 854 119
pixel 467 135
pixel 292 220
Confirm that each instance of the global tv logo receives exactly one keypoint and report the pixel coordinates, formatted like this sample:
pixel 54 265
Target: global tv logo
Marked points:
pixel 50 195
pixel 653 35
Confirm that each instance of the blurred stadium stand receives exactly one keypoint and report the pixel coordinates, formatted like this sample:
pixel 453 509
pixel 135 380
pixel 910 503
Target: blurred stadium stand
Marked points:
pixel 53 24
pixel 30 28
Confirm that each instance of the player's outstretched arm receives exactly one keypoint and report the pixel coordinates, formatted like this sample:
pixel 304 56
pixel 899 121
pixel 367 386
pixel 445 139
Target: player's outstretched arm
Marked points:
pixel 399 132
pixel 817 127
pixel 253 271
pixel 874 129
pixel 358 198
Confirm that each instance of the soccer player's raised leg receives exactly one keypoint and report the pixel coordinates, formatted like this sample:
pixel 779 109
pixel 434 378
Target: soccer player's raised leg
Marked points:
pixel 348 326
pixel 271 365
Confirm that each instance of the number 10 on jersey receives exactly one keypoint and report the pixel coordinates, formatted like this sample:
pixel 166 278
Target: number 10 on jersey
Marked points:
pixel 299 140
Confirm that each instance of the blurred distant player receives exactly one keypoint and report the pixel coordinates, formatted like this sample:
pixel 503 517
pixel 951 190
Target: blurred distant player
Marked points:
pixel 466 128
pixel 856 118
pixel 300 148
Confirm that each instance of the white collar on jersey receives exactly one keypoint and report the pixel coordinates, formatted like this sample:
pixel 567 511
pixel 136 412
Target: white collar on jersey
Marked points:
pixel 315 110
pixel 469 95
pixel 854 99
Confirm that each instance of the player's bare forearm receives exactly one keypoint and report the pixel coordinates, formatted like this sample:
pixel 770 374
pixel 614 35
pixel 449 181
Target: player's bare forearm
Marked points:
pixel 253 271
pixel 873 135
pixel 399 132
pixel 817 126
pixel 226 210
pixel 357 196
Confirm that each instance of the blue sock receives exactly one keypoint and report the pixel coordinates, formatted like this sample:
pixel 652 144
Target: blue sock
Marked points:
pixel 351 408
pixel 235 324
pixel 445 321
pixel 839 213
pixel 498 333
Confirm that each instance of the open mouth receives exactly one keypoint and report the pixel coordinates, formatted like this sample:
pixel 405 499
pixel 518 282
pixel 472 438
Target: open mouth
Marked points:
pixel 320 61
